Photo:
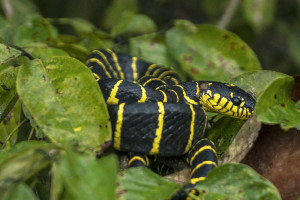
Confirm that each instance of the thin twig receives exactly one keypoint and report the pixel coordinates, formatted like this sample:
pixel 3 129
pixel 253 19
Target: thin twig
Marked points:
pixel 12 132
pixel 227 15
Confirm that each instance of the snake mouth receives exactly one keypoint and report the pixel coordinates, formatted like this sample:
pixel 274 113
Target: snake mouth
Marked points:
pixel 223 101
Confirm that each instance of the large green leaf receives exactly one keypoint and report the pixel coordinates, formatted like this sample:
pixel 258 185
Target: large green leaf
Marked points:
pixel 236 181
pixel 208 53
pixel 141 184
pixel 259 13
pixel 275 106
pixel 86 177
pixel 23 161
pixel 65 101
pixel 256 82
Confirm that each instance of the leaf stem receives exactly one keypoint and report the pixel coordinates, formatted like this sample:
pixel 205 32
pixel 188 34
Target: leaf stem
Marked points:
pixel 227 15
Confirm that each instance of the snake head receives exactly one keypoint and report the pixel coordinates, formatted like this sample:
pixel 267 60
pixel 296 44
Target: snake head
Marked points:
pixel 226 99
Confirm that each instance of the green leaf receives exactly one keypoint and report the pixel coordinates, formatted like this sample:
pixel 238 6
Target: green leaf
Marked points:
pixel 133 24
pixel 206 52
pixel 7 54
pixel 35 30
pixel 81 26
pixel 45 51
pixel 259 13
pixel 256 82
pixel 16 10
pixel 236 181
pixel 65 100
pixel 74 50
pixel 8 95
pixel 93 41
pixel 151 49
pixel 20 192
pixel 116 9
pixel 88 178
pixel 23 161
pixel 141 183
pixel 223 132
pixel 275 106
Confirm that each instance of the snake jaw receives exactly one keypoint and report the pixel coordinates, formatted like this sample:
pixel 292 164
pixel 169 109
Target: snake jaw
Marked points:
pixel 226 99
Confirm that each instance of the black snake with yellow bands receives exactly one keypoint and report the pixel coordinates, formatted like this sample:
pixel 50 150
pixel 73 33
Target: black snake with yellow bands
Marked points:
pixel 153 112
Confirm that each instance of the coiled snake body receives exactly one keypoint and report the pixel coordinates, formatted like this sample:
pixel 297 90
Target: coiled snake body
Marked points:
pixel 154 113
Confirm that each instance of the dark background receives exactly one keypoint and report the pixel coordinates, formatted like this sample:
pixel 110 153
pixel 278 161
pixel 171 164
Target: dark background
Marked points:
pixel 277 45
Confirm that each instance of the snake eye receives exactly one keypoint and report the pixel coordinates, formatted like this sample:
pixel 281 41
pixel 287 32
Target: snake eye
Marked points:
pixel 236 101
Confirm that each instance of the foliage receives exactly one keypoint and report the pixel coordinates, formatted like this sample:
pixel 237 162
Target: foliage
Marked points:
pixel 67 117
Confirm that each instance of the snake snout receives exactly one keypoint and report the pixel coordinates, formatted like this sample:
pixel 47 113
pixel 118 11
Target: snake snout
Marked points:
pixel 227 99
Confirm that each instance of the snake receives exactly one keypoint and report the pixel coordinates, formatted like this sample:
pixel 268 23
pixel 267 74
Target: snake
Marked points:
pixel 155 114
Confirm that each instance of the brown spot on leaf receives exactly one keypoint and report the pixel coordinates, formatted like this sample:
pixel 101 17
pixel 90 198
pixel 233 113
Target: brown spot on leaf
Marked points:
pixel 232 45
pixel 275 96
pixel 282 105
pixel 44 78
pixel 8 49
pixel 226 36
pixel 194 70
pixel 188 59
pixel 211 64
pixel 244 47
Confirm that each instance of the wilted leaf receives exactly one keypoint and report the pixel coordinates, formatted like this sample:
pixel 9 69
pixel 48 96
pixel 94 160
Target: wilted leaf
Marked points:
pixel 242 142
pixel 65 101
pixel 88 178
pixel 275 104
pixel 20 192
pixel 208 53
pixel 259 13
pixel 236 181
pixel 141 183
